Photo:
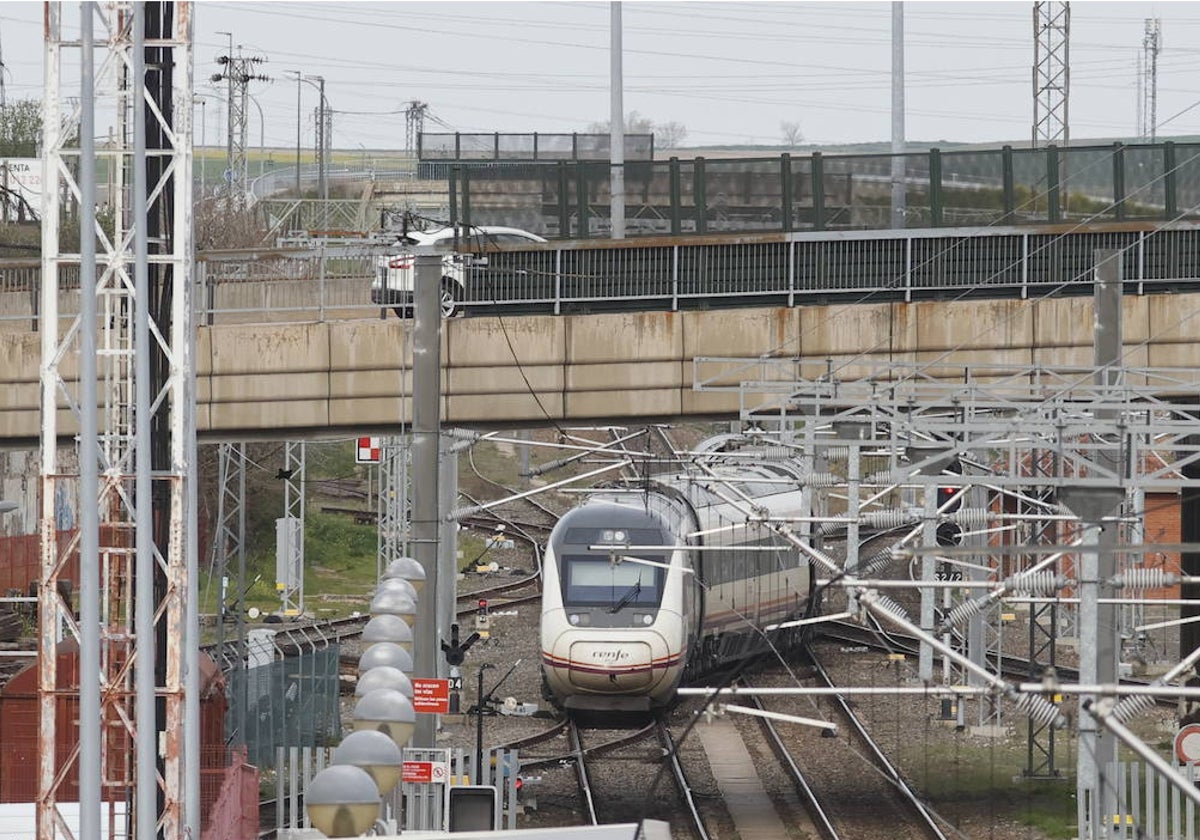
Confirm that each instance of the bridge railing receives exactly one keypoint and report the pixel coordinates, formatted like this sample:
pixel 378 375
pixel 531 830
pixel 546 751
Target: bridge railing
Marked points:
pixel 334 283
pixel 819 192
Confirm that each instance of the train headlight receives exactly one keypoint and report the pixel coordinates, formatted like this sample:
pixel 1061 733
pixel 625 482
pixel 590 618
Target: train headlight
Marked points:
pixel 646 619
pixel 574 619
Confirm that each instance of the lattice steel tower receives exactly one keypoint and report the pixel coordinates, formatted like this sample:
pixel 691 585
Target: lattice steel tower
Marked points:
pixel 1148 80
pixel 414 124
pixel 117 372
pixel 1051 73
pixel 237 71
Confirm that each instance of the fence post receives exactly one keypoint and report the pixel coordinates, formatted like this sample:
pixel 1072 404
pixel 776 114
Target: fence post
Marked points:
pixel 453 185
pixel 466 198
pixel 1119 180
pixel 564 204
pixel 1053 199
pixel 785 191
pixel 1170 182
pixel 818 191
pixel 1010 200
pixel 676 197
pixel 700 196
pixel 581 198
pixel 935 187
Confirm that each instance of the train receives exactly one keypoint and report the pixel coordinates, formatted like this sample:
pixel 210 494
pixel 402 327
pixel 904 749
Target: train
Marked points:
pixel 646 586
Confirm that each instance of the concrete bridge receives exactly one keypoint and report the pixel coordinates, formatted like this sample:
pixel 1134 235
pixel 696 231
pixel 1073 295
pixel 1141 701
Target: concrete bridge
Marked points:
pixel 337 377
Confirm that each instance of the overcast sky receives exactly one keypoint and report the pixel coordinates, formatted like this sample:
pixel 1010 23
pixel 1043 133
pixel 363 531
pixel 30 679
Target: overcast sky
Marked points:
pixel 731 72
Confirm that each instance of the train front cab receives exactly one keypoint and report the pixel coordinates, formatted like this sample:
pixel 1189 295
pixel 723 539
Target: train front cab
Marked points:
pixel 613 642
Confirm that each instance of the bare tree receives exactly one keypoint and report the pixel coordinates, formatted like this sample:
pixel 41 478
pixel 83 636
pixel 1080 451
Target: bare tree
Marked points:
pixel 792 135
pixel 670 135
pixel 635 123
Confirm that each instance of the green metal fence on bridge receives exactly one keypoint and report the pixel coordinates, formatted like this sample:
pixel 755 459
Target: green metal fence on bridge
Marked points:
pixel 819 192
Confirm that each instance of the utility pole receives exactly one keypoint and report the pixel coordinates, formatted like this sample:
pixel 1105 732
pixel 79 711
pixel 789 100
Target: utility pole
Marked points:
pixel 1148 80
pixel 616 141
pixel 236 71
pixel 899 176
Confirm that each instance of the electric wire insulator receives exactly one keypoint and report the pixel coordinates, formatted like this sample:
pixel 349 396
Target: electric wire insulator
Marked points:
pixel 461 513
pixel 1144 579
pixel 829 528
pixel 1037 708
pixel 871 566
pixel 886 519
pixel 887 605
pixel 1041 583
pixel 969 517
pixel 1131 706
pixel 823 480
pixel 963 611
pixel 838 452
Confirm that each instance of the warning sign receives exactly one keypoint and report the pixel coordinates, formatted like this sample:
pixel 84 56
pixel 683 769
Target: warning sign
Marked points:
pixel 368 451
pixel 431 695
pixel 1187 743
pixel 423 772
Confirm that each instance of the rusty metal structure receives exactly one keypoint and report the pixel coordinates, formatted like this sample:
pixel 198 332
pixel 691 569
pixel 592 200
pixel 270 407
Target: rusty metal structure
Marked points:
pixel 118 376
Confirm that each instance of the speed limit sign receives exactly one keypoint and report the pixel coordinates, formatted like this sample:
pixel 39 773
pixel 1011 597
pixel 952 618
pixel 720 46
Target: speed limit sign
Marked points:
pixel 1187 743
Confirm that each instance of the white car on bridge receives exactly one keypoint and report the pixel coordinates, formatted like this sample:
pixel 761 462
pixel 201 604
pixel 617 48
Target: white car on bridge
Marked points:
pixel 395 274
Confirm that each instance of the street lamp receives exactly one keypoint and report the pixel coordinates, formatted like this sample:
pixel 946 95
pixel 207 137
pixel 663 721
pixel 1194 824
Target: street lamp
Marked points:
pixel 322 136
pixel 322 143
pixel 299 76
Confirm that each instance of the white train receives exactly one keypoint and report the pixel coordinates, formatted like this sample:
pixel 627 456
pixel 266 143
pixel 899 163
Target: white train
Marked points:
pixel 643 586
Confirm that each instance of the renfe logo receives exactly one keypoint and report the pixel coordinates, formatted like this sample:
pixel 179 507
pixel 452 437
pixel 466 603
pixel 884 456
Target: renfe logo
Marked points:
pixel 610 655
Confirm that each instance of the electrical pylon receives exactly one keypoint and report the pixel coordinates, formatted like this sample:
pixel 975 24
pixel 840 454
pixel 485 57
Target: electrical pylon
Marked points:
pixel 117 371
pixel 1051 74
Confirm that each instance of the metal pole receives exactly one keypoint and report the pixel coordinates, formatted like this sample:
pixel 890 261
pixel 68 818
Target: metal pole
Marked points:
pixel 147 735
pixel 324 142
pixel 90 738
pixel 899 185
pixel 426 399
pixel 228 111
pixel 477 770
pixel 298 117
pixel 616 140
pixel 1098 628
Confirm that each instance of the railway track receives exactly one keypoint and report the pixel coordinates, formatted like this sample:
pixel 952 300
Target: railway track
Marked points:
pixel 598 771
pixel 846 784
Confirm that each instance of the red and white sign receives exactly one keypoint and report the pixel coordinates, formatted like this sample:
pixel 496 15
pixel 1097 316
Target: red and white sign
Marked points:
pixel 368 451
pixel 423 772
pixel 431 695
pixel 1187 743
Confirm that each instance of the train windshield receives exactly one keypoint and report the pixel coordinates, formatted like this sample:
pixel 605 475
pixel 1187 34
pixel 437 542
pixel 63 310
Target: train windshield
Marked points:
pixel 591 581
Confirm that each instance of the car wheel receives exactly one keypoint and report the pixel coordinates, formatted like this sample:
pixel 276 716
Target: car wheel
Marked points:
pixel 449 304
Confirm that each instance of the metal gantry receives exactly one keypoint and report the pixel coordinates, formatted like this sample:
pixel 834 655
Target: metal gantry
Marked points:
pixel 1067 448
pixel 120 376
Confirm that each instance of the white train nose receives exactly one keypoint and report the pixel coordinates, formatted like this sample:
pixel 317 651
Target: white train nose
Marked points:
pixel 617 667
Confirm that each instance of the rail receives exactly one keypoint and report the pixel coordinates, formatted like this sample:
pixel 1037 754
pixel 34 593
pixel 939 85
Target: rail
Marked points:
pixel 329 283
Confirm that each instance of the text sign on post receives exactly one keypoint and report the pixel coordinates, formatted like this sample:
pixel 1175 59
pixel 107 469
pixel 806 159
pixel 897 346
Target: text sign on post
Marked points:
pixel 431 695
pixel 423 772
